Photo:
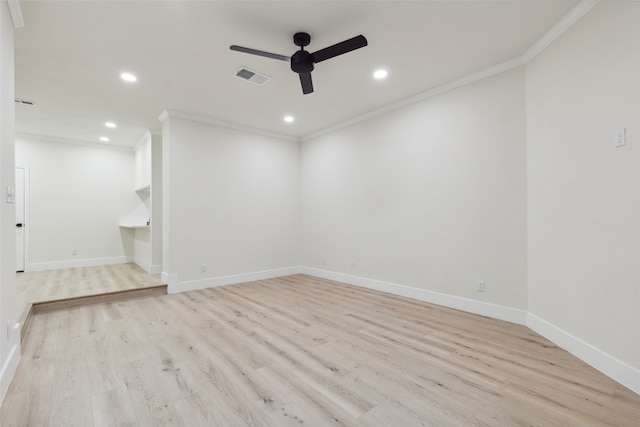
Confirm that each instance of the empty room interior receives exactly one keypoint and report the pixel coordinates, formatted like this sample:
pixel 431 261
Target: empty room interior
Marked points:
pixel 284 213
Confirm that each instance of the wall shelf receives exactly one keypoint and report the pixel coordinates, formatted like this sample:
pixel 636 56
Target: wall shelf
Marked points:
pixel 134 225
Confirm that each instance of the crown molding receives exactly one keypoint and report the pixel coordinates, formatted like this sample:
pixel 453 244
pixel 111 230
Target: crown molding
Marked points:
pixel 574 15
pixel 549 37
pixel 163 116
pixel 145 137
pixel 46 138
pixel 557 30
pixel 15 10
pixel 471 78
pixel 169 113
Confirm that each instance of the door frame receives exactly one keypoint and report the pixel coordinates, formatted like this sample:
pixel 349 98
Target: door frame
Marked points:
pixel 27 222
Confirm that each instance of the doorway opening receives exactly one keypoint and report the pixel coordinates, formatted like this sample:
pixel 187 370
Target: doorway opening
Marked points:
pixel 21 215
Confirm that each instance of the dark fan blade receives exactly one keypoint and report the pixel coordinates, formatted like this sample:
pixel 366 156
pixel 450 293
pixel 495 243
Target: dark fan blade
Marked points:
pixel 339 48
pixel 307 84
pixel 259 53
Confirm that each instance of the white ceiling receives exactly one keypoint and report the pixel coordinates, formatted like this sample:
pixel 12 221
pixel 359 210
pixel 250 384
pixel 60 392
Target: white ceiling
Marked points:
pixel 69 56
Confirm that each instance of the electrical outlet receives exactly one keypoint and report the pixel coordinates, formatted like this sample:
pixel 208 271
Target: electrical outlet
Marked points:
pixel 203 268
pixel 74 251
pixel 481 286
pixel 11 195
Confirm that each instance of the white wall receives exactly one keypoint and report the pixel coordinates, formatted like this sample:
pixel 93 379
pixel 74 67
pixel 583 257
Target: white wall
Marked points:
pixel 78 195
pixel 583 193
pixel 231 202
pixel 431 196
pixel 156 204
pixel 142 159
pixel 9 346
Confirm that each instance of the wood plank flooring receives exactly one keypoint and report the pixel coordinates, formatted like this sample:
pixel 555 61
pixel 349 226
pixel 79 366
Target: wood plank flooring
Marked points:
pixel 50 285
pixel 298 351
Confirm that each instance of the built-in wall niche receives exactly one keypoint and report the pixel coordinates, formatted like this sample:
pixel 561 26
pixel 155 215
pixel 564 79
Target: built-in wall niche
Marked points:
pixel 144 223
pixel 138 221
pixel 140 217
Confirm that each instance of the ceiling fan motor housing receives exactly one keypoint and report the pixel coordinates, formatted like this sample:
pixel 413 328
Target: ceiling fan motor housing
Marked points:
pixel 302 62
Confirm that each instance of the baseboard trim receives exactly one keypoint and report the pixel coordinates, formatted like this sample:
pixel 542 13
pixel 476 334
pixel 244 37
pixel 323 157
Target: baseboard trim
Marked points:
pixel 25 321
pixel 8 370
pixel 616 369
pixel 89 262
pixel 149 268
pixel 619 371
pixel 143 265
pixel 465 304
pixel 213 282
pixel 169 279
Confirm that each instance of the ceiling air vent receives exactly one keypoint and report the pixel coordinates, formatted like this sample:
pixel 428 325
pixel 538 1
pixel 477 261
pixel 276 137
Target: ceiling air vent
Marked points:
pixel 251 76
pixel 24 102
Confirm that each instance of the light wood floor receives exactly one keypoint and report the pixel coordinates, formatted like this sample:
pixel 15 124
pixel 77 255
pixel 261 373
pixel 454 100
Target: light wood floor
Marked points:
pixel 39 286
pixel 299 351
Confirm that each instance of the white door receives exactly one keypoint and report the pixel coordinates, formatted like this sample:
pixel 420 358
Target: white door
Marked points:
pixel 20 223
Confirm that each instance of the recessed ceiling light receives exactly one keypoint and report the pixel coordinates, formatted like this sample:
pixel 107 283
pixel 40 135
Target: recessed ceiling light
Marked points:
pixel 288 119
pixel 110 125
pixel 380 74
pixel 128 77
pixel 104 139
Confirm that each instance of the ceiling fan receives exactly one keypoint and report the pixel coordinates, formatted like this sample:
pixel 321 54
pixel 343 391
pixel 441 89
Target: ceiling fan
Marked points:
pixel 302 62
